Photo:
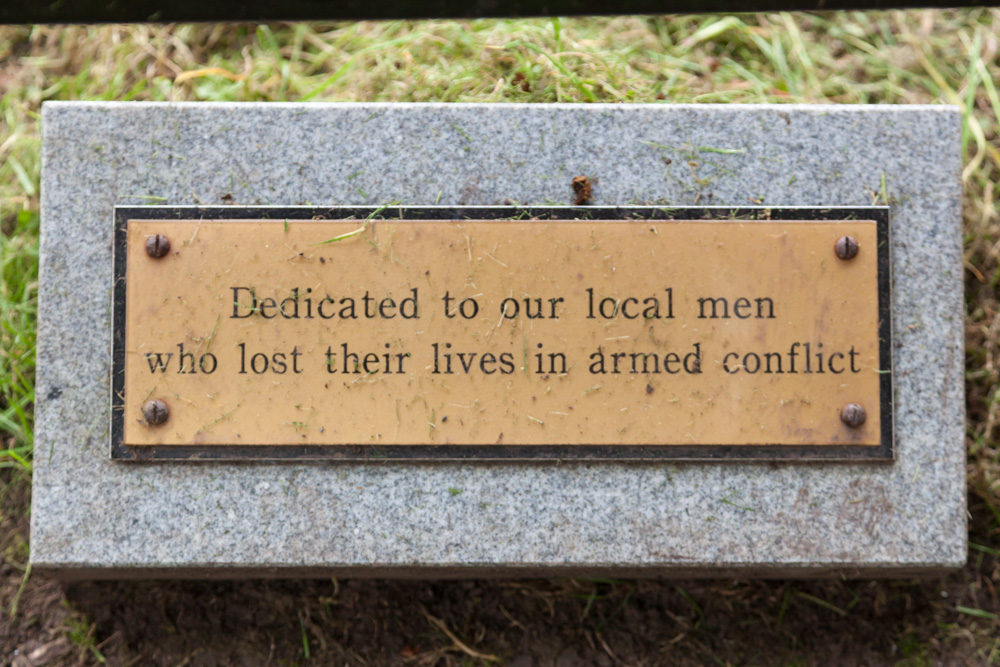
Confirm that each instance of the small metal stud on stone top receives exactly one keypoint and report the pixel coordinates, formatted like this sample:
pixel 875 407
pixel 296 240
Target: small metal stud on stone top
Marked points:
pixel 155 412
pixel 157 246
pixel 853 415
pixel 846 247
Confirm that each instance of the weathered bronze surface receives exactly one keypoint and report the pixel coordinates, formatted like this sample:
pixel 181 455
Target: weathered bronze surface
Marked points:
pixel 501 333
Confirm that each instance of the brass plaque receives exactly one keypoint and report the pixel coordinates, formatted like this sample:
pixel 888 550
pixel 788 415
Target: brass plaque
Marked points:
pixel 500 338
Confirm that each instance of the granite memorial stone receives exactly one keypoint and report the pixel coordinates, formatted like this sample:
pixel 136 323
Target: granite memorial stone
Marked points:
pixel 457 340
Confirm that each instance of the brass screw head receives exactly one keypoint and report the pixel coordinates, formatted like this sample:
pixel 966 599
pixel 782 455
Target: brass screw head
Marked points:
pixel 157 246
pixel 853 415
pixel 155 412
pixel 846 247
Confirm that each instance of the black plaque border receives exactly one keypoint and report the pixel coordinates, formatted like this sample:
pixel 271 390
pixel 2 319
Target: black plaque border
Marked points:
pixel 884 452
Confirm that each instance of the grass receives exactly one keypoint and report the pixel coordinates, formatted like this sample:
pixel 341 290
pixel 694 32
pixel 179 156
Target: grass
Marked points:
pixel 872 58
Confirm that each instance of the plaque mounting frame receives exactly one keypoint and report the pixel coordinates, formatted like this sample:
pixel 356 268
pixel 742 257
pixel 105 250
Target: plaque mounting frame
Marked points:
pixel 884 452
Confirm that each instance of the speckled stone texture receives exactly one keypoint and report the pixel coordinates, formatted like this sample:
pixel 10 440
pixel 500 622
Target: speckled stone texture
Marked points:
pixel 95 517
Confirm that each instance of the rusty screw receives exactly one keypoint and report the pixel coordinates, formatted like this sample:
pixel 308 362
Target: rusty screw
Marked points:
pixel 846 247
pixel 155 412
pixel 853 415
pixel 157 246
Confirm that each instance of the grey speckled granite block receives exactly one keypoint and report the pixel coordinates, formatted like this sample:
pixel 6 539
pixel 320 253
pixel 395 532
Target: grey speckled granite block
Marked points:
pixel 92 516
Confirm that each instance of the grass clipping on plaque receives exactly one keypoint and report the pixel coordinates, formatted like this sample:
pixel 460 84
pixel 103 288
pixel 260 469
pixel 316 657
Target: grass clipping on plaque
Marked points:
pixel 847 57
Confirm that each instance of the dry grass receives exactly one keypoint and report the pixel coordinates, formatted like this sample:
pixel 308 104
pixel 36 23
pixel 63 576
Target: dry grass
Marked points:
pixel 891 57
